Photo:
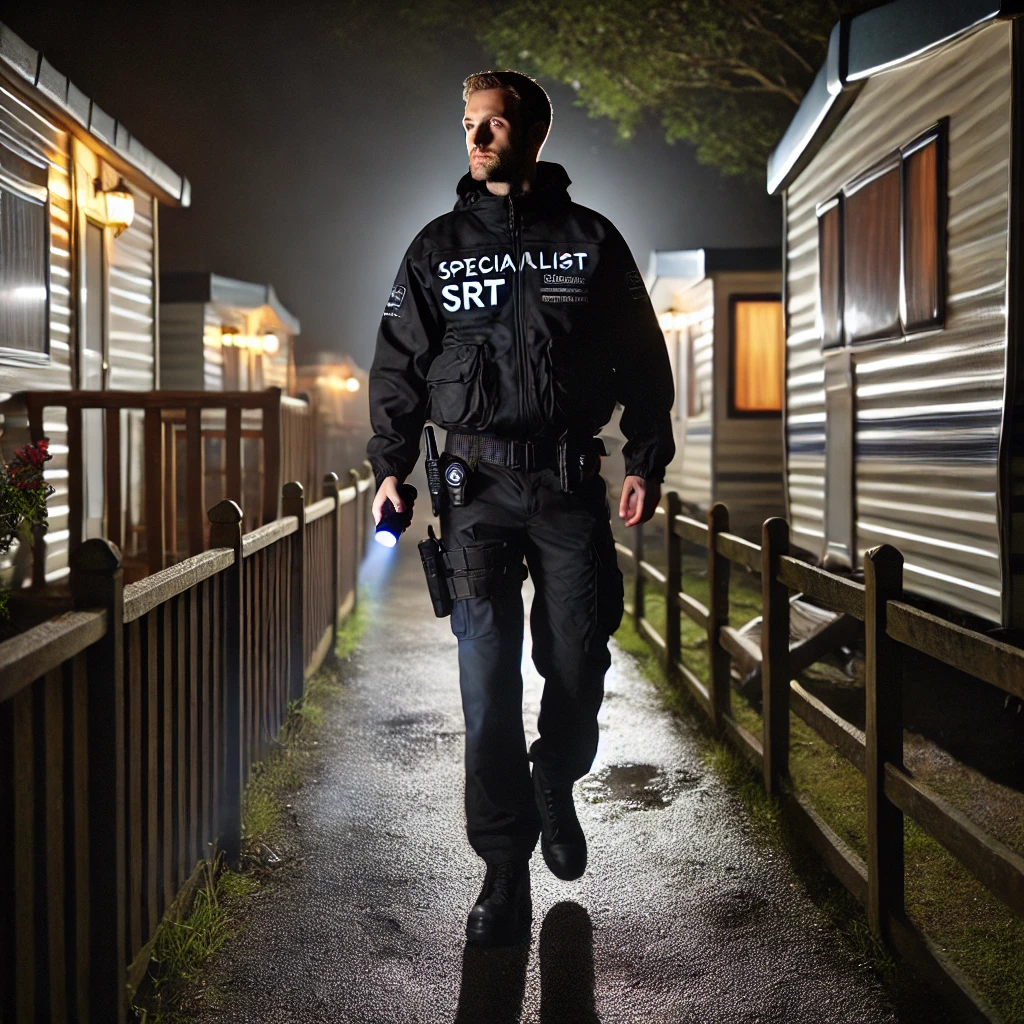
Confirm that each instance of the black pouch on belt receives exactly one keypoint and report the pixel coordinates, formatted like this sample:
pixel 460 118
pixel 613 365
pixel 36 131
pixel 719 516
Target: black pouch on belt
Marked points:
pixel 432 556
pixel 579 458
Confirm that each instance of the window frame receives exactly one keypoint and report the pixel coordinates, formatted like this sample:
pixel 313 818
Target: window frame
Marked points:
pixel 752 414
pixel 939 134
pixel 40 195
pixel 835 203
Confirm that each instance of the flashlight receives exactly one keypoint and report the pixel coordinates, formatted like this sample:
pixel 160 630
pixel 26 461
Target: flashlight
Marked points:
pixel 393 524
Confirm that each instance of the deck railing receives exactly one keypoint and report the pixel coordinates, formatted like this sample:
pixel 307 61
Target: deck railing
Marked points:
pixel 890 625
pixel 197 447
pixel 127 730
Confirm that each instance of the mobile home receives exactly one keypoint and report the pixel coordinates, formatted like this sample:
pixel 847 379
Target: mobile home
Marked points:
pixel 901 176
pixel 78 268
pixel 721 311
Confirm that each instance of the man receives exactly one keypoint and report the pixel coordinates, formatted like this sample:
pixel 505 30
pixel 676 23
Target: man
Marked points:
pixel 516 322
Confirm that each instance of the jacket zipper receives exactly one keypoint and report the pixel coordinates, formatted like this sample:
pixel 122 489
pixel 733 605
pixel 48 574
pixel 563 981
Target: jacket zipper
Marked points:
pixel 523 377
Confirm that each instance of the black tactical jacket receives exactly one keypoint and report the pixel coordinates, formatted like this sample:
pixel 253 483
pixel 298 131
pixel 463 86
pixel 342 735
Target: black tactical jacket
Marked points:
pixel 517 316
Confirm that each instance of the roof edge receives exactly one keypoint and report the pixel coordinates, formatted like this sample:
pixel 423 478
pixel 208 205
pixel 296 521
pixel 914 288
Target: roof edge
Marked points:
pixel 861 47
pixel 25 66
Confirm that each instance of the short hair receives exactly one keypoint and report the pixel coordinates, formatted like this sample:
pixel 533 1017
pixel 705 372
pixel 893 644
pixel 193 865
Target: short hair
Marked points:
pixel 534 103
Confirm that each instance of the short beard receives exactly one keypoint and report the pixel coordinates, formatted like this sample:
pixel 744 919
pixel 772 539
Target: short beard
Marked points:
pixel 509 168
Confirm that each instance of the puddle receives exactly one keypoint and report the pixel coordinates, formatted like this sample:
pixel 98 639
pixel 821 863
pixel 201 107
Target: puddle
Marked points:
pixel 638 787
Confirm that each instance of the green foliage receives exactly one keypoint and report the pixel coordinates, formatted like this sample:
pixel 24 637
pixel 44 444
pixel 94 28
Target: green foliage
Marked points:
pixel 23 495
pixel 724 77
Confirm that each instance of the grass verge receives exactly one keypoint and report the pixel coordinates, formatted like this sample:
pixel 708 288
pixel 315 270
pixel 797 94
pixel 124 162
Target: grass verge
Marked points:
pixel 177 982
pixel 974 929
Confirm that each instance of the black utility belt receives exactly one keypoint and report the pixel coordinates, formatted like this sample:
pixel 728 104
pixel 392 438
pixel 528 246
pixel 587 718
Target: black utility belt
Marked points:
pixel 577 457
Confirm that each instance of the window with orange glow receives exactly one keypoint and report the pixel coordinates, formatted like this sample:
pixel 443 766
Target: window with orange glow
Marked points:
pixel 758 355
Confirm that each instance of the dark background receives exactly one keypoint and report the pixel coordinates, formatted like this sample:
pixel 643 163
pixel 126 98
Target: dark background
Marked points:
pixel 320 137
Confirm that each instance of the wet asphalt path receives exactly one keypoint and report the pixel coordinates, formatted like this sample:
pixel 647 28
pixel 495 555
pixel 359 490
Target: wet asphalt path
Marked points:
pixel 679 918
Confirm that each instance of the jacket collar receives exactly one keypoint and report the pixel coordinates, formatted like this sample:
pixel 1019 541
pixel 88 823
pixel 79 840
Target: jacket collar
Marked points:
pixel 550 186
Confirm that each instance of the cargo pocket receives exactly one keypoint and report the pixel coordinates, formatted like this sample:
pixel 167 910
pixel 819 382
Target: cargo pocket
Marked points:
pixel 458 382
pixel 473 617
pixel 609 588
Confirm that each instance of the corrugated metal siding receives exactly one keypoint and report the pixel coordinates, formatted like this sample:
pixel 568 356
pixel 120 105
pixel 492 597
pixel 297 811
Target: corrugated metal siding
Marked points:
pixel 928 409
pixel 690 472
pixel 39 140
pixel 131 328
pixel 181 346
pixel 747 471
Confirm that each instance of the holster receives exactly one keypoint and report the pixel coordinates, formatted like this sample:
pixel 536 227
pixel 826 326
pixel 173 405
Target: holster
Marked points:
pixel 436 572
pixel 476 570
pixel 579 458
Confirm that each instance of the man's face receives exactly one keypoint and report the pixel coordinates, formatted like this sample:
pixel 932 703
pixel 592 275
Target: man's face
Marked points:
pixel 494 137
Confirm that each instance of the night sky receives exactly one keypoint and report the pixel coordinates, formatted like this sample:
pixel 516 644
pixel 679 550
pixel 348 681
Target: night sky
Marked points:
pixel 317 146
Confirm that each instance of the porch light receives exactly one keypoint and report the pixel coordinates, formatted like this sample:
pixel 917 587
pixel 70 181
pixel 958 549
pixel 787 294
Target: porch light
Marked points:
pixel 120 207
pixel 352 384
pixel 229 336
pixel 271 344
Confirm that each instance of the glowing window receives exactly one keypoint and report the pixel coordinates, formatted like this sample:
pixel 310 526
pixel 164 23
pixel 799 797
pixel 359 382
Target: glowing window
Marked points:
pixel 758 355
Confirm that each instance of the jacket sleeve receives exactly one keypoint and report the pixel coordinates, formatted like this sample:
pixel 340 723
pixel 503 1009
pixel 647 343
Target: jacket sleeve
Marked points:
pixel 408 339
pixel 643 373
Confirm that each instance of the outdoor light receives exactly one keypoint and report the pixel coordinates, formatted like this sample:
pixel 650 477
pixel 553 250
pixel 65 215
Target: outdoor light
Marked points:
pixel 667 321
pixel 393 524
pixel 120 206
pixel 271 344
pixel 229 336
pixel 352 384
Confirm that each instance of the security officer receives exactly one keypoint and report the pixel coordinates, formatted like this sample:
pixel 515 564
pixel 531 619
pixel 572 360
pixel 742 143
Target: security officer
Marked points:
pixel 516 322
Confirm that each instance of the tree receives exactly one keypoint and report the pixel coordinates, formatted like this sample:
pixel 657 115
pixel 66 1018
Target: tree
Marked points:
pixel 723 75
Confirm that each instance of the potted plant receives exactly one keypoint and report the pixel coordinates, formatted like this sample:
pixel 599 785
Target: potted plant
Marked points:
pixel 23 494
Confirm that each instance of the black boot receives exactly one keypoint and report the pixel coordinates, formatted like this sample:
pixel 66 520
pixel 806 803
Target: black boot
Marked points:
pixel 503 910
pixel 561 839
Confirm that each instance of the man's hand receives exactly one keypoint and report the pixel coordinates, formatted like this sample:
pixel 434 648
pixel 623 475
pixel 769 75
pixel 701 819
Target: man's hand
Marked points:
pixel 639 500
pixel 388 491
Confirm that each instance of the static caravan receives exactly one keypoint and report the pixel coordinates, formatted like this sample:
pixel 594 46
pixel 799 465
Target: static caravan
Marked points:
pixel 721 311
pixel 78 268
pixel 219 334
pixel 901 175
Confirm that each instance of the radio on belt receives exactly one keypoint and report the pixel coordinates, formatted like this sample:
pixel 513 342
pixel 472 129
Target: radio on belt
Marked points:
pixel 456 472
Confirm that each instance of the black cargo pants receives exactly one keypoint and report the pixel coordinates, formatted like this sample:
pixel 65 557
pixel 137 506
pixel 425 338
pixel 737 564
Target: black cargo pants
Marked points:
pixel 567 542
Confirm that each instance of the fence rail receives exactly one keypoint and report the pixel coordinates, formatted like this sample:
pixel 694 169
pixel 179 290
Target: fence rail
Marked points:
pixel 127 730
pixel 890 625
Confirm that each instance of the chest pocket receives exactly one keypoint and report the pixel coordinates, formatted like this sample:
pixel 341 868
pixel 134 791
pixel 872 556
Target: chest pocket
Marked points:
pixel 461 387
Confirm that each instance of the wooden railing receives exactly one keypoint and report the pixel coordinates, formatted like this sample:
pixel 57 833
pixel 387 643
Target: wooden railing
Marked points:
pixel 890 625
pixel 197 447
pixel 127 730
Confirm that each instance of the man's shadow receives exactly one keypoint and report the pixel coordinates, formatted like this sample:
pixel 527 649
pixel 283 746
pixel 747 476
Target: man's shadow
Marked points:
pixel 494 980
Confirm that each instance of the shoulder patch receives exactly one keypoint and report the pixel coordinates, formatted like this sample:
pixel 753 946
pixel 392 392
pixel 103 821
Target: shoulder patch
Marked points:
pixel 635 284
pixel 395 301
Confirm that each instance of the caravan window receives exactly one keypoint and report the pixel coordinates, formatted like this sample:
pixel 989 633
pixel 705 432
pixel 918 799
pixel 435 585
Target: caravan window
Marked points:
pixel 24 255
pixel 924 227
pixel 882 247
pixel 830 274
pixel 871 256
pixel 758 351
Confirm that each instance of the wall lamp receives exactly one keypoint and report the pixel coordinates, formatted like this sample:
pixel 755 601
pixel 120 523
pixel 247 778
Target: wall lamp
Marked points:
pixel 120 205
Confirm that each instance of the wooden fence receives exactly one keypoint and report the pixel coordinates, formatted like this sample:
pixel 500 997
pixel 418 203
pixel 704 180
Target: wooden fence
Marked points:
pixel 890 625
pixel 127 730
pixel 196 447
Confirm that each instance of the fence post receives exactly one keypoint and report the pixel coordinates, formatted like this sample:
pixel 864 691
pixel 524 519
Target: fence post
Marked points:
pixel 226 532
pixel 719 572
pixel 360 513
pixel 97 581
pixel 673 582
pixel 293 504
pixel 883 735
pixel 332 489
pixel 774 655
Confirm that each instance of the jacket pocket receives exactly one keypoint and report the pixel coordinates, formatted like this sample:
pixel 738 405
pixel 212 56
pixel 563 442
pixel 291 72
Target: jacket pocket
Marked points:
pixel 458 383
